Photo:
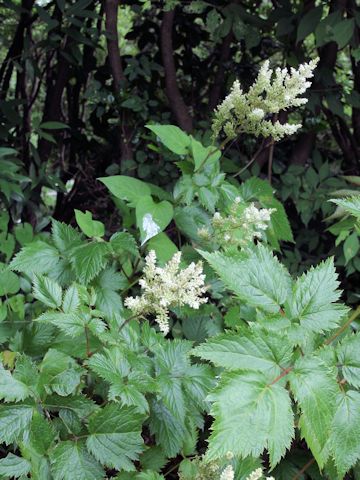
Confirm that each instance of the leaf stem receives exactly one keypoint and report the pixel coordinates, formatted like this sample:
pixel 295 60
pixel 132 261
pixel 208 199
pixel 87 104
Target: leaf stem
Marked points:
pixel 338 332
pixel 303 470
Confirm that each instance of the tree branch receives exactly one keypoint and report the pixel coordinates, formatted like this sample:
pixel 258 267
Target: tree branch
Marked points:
pixel 176 101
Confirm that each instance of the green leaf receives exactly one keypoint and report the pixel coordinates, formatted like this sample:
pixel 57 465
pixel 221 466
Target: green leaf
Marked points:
pixel 71 324
pixel 250 415
pixel 345 433
pixel 91 228
pixel 14 466
pixel 88 260
pixel 123 242
pixel 343 32
pixel 126 188
pixel 37 257
pixel 47 291
pixel 60 373
pixel 14 421
pixel 348 353
pixel 115 436
pixel 53 125
pixel 315 388
pixel 260 280
pixel 172 137
pixel 65 237
pixel 312 303
pixel 350 205
pixel 309 22
pixel 170 433
pixel 9 282
pixel 203 155
pixel 71 458
pixel 71 300
pixel 24 233
pixel 163 247
pixel 247 351
pixel 351 246
pixel 152 218
pixel 12 389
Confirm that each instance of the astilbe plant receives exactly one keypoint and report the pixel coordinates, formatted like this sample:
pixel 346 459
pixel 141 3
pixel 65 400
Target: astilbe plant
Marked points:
pixel 92 389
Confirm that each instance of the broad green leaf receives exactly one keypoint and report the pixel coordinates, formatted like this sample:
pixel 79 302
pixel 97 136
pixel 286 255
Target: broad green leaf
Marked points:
pixel 247 351
pixel 163 247
pixel 309 22
pixel 345 432
pixel 14 466
pixel 42 433
pixel 91 228
pixel 88 260
pixel 260 279
pixel 14 421
pixel 315 388
pixel 152 218
pixel 172 137
pixel 82 406
pixel 115 436
pixel 37 257
pixel 47 291
pixel 348 352
pixel 12 389
pixel 70 460
pixel 126 188
pixel 250 415
pixel 24 233
pixel 203 155
pixel 314 296
pixel 343 32
pixel 9 282
pixel 279 221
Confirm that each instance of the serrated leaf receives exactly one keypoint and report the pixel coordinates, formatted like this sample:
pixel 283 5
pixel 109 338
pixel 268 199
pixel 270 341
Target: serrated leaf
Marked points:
pixel 47 291
pixel 315 389
pixel 88 260
pixel 345 433
pixel 71 300
pixel 250 415
pixel 37 257
pixel 169 432
pixel 59 373
pixel 14 466
pixel 314 296
pixel 64 236
pixel 350 205
pixel 12 389
pixel 14 421
pixel 124 242
pixel 260 280
pixel 82 406
pixel 70 323
pixel 115 436
pixel 71 458
pixel 247 351
pixel 348 352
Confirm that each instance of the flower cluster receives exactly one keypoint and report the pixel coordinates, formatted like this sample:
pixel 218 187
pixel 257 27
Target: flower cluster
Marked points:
pixel 257 474
pixel 168 287
pixel 228 473
pixel 243 224
pixel 252 112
